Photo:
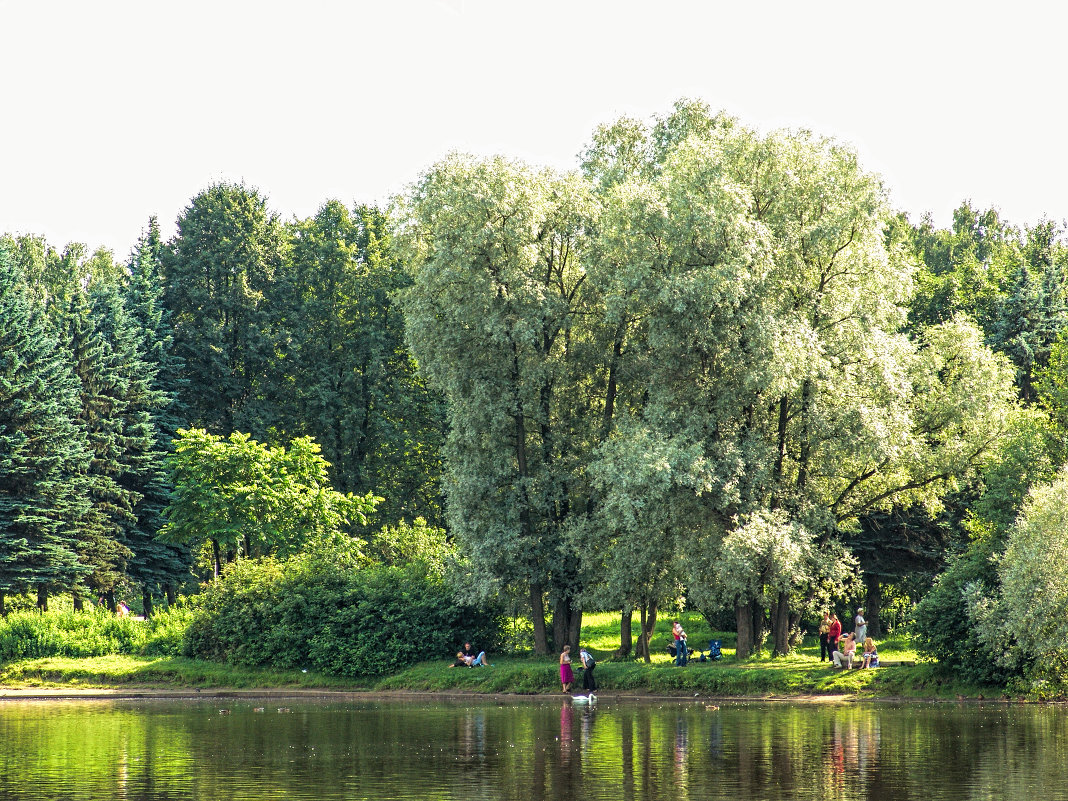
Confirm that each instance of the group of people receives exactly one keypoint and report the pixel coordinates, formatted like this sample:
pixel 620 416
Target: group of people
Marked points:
pixel 466 657
pixel 842 651
pixel 567 675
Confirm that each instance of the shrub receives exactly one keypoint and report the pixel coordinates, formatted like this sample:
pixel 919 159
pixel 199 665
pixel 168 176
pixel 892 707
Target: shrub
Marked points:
pixel 165 632
pixel 946 625
pixel 328 613
pixel 1034 589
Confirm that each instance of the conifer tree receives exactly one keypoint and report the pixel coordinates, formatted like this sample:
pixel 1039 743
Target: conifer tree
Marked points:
pixel 43 452
pixel 103 388
pixel 152 564
pixel 1034 311
pixel 145 301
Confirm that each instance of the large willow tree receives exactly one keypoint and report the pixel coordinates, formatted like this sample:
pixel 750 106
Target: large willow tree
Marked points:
pixel 700 339
pixel 777 361
pixel 498 319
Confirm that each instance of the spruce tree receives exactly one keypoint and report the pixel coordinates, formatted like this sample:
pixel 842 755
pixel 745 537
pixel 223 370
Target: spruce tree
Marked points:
pixel 152 564
pixel 103 389
pixel 1034 311
pixel 145 303
pixel 43 451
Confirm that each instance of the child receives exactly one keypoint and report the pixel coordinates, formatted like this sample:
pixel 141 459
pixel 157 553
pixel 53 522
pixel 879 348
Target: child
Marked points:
pixel 871 656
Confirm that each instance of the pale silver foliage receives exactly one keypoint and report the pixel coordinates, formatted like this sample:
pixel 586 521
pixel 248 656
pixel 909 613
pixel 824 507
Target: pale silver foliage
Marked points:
pixel 1033 573
pixel 693 352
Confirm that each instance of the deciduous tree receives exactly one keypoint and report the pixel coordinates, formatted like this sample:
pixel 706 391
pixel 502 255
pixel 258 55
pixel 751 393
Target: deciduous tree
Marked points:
pixel 218 269
pixel 239 494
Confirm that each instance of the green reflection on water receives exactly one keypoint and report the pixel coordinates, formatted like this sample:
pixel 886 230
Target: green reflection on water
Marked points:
pixel 529 750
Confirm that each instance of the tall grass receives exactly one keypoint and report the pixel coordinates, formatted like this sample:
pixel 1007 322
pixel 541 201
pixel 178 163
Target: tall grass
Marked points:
pixel 34 635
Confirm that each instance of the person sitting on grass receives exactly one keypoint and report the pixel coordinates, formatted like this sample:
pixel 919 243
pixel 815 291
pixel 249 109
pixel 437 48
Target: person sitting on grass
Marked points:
pixel 843 657
pixel 871 656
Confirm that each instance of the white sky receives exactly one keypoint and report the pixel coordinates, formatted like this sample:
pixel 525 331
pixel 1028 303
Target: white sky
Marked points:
pixel 114 110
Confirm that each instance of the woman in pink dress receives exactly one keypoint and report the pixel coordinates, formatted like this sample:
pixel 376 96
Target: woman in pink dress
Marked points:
pixel 566 676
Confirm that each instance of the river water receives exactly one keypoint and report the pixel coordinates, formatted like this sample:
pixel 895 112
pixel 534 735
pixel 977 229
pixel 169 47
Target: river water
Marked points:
pixel 529 750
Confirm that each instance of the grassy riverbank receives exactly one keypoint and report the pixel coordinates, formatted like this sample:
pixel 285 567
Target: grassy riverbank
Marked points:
pixel 800 674
pixel 785 677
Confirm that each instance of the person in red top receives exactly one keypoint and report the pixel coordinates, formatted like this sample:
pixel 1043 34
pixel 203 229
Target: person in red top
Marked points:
pixel 834 632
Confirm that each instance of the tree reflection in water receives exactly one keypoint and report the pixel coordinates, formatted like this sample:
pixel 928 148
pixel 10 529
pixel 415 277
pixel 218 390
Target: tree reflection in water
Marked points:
pixel 528 750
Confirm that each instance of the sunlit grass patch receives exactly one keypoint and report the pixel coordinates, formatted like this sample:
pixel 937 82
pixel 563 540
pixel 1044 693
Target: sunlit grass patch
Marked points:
pixel 130 671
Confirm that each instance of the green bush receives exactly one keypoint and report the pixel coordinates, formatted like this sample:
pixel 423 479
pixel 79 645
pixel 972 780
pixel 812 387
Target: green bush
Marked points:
pixel 946 630
pixel 165 632
pixel 332 615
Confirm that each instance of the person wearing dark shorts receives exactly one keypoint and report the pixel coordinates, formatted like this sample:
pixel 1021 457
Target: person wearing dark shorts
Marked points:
pixel 588 663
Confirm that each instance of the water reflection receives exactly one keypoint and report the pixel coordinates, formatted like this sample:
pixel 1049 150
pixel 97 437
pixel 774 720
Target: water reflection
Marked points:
pixel 529 750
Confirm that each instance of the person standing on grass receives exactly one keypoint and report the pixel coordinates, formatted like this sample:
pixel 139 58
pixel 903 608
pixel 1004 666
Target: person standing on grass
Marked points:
pixel 588 663
pixel 825 632
pixel 676 631
pixel 567 677
pixel 834 633
pixel 860 626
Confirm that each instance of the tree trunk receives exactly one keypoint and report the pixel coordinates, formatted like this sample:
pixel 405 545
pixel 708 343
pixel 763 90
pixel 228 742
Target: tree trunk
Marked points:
pixel 216 557
pixel 171 598
pixel 610 393
pixel 42 598
pixel 574 627
pixel 743 615
pixel 248 546
pixel 648 626
pixel 626 637
pixel 874 606
pixel 780 625
pixel 796 635
pixel 805 444
pixel 146 602
pixel 537 617
pixel 76 600
pixel 3 608
pixel 784 419
pixel 760 629
pixel 109 601
pixel 567 624
pixel 560 625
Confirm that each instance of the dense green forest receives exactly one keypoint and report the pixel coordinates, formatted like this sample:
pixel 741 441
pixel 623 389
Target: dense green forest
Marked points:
pixel 708 369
